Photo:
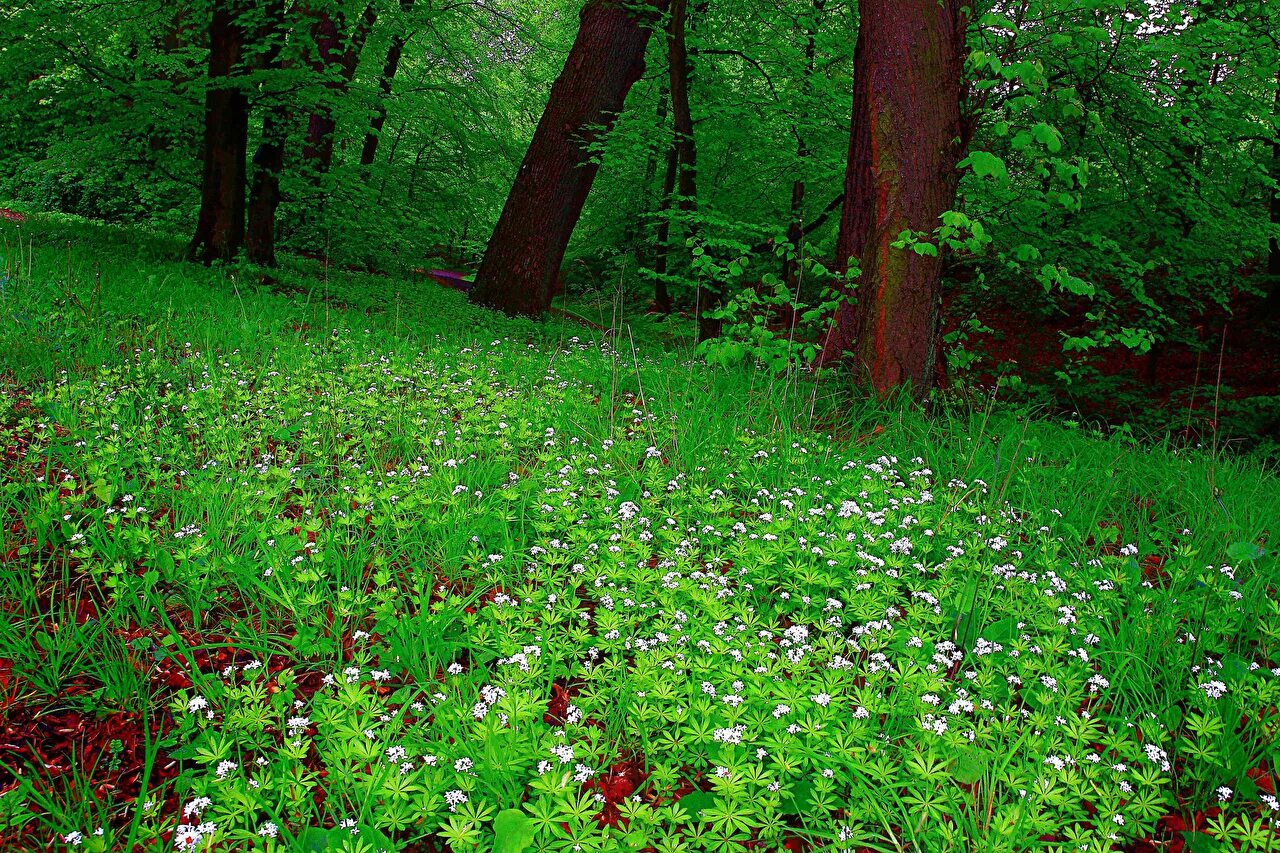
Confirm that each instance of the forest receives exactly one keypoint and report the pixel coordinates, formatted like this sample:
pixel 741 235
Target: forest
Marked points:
pixel 652 426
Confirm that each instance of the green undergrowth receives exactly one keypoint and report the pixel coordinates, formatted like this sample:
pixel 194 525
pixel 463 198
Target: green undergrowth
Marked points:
pixel 348 564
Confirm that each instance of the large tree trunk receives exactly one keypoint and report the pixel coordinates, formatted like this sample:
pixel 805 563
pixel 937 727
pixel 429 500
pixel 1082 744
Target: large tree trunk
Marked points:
pixel 389 68
pixel 527 247
pixel 908 78
pixel 220 226
pixel 336 62
pixel 268 160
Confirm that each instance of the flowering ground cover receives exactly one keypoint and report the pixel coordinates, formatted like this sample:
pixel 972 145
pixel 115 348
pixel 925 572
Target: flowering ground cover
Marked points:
pixel 358 567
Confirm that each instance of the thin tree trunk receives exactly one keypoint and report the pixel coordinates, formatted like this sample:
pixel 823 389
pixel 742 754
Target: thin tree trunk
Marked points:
pixel 686 149
pixel 338 67
pixel 527 247
pixel 369 153
pixel 220 225
pixel 795 229
pixel 268 159
pixel 908 74
pixel 662 240
pixel 652 241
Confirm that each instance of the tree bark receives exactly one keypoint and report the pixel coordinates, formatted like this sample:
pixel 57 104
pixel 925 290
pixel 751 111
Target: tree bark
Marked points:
pixel 907 137
pixel 220 225
pixel 369 152
pixel 527 247
pixel 268 159
pixel 337 64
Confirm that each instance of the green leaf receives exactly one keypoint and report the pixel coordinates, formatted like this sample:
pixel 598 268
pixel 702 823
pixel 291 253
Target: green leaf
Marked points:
pixel 970 766
pixel 697 801
pixel 987 165
pixel 1245 552
pixel 514 831
pixel 798 802
pixel 1047 135
pixel 314 839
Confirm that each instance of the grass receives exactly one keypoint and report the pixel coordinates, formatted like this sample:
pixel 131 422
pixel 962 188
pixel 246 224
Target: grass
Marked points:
pixel 352 565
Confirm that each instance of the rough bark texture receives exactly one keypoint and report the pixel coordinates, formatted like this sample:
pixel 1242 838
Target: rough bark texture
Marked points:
pixel 908 78
pixel 220 225
pixel 337 63
pixel 268 159
pixel 389 68
pixel 527 247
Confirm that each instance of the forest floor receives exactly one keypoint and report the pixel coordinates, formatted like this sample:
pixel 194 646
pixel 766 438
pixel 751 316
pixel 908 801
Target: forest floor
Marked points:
pixel 352 563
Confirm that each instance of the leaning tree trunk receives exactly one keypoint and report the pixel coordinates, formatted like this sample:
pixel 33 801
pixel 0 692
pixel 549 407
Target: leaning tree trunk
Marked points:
pixel 369 152
pixel 268 160
pixel 220 224
pixel 527 246
pixel 907 138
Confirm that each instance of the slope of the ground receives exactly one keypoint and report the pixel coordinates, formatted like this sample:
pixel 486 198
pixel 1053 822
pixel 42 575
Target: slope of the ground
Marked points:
pixel 359 567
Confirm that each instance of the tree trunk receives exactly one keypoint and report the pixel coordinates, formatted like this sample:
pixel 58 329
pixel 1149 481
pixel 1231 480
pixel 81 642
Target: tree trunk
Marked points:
pixel 369 152
pixel 795 229
pixel 686 150
pixel 654 246
pixel 527 247
pixel 268 160
pixel 337 65
pixel 264 195
pixel 662 240
pixel 220 226
pixel 908 78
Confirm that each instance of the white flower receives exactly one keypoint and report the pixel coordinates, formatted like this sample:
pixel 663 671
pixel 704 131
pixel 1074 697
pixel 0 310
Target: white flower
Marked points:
pixel 186 837
pixel 1214 689
pixel 196 806
pixel 225 768
pixel 462 765
pixel 268 830
pixel 823 699
pixel 454 799
pixel 197 703
pixel 1224 794
pixel 75 839
pixel 730 735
